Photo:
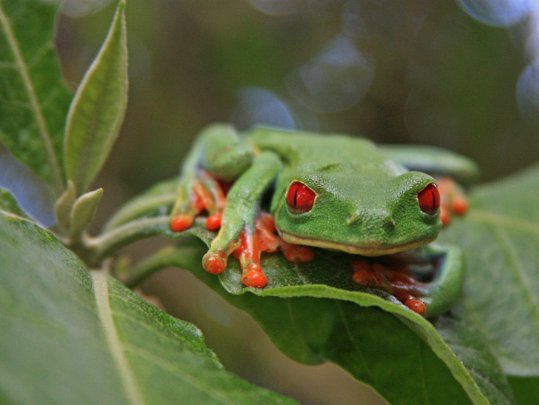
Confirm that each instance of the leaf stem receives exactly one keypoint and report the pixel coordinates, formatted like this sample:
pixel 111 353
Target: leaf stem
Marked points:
pixel 139 207
pixel 34 103
pixel 109 242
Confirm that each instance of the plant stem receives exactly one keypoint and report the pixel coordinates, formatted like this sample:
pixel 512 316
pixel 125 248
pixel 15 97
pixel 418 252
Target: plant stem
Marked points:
pixel 99 247
pixel 136 208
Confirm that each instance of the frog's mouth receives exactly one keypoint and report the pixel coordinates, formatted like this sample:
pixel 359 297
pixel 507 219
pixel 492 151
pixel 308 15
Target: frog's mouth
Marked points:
pixel 371 250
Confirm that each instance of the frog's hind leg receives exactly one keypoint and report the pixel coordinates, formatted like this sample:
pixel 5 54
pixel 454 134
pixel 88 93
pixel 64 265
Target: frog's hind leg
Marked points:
pixel 188 203
pixel 453 201
pixel 448 168
pixel 218 154
pixel 430 297
pixel 198 193
pixel 446 287
pixel 395 280
pixel 435 161
pixel 238 230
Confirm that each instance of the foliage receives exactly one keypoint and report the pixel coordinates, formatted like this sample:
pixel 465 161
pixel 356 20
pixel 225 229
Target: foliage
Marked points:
pixel 98 108
pixel 63 324
pixel 469 342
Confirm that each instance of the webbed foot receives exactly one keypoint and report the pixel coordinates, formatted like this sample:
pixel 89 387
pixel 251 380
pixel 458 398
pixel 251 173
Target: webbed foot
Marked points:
pixel 453 201
pixel 428 280
pixel 248 249
pixel 394 279
pixel 204 193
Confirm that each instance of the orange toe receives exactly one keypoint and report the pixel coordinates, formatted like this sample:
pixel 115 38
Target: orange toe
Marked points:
pixel 180 223
pixel 254 277
pixel 213 222
pixel 416 305
pixel 214 263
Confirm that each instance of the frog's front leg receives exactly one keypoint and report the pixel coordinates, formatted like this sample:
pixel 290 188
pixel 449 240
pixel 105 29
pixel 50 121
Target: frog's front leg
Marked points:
pixel 238 229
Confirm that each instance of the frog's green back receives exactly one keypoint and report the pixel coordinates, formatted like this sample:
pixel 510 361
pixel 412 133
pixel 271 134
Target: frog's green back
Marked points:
pixel 355 166
pixel 323 153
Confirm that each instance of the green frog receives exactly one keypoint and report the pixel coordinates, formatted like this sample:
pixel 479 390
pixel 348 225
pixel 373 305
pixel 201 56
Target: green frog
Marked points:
pixel 330 192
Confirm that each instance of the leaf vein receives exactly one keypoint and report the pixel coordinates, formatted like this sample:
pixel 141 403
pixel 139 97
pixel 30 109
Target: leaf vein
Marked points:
pixel 515 266
pixel 32 96
pixel 210 390
pixel 493 219
pixel 104 311
pixel 295 328
pixel 349 335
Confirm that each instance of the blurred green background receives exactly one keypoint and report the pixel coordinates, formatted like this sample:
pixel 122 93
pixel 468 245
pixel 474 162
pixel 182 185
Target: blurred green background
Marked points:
pixel 459 74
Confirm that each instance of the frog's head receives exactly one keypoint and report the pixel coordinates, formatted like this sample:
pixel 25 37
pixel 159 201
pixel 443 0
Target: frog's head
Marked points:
pixel 360 212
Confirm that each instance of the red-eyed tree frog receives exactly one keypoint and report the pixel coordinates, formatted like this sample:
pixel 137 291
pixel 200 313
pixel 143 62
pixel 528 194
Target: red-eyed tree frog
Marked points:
pixel 331 192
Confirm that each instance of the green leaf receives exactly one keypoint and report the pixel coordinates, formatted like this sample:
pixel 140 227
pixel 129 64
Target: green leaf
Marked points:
pixel 83 212
pixel 495 322
pixel 69 336
pixel 98 108
pixel 34 97
pixel 500 240
pixel 325 317
pixel 8 203
pixel 526 390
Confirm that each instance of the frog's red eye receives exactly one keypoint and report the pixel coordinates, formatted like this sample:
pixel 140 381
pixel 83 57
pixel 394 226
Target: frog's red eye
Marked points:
pixel 429 199
pixel 300 198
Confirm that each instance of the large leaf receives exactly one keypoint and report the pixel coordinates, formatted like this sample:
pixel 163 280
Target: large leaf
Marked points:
pixel 500 239
pixel 34 98
pixel 325 317
pixel 98 108
pixel 69 336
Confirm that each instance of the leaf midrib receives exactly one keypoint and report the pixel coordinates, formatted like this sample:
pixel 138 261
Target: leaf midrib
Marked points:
pixel 118 348
pixel 516 270
pixel 32 97
pixel 101 291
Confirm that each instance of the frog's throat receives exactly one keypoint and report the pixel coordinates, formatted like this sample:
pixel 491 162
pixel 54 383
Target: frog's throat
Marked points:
pixel 374 250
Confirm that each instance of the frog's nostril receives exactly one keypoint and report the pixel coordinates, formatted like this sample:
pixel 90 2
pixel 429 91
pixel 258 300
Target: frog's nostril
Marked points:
pixel 386 219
